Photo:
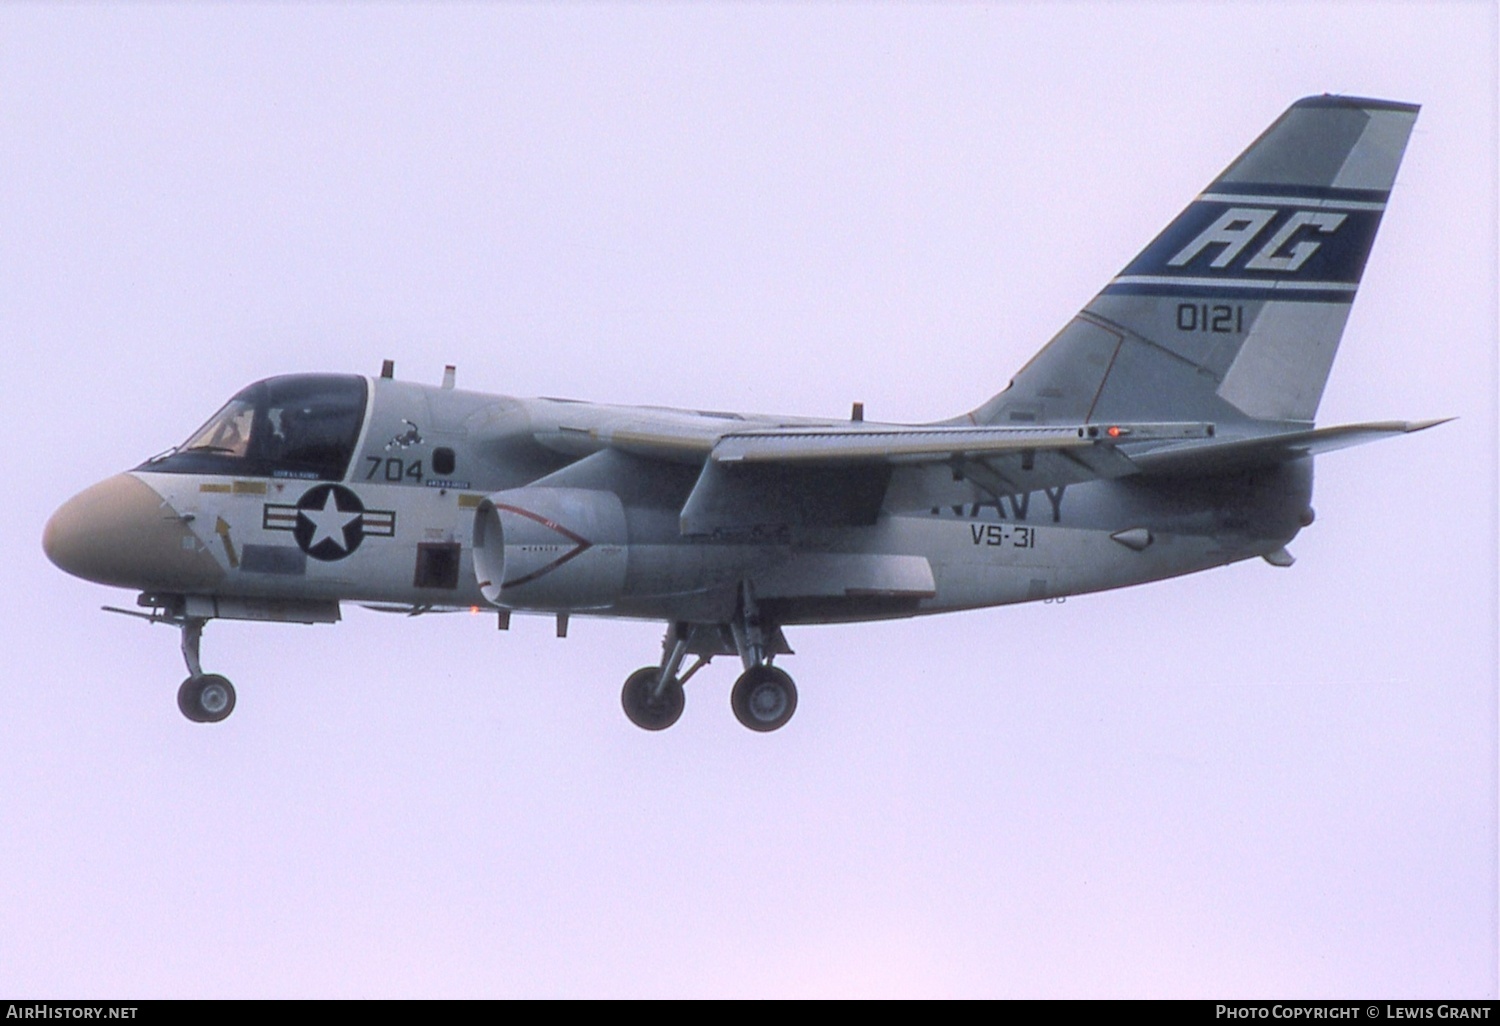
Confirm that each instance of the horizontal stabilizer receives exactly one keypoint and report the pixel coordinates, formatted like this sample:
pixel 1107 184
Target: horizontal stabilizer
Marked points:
pixel 1233 454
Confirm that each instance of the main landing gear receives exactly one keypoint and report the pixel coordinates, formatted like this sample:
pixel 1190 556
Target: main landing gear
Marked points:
pixel 652 700
pixel 652 695
pixel 203 697
pixel 763 698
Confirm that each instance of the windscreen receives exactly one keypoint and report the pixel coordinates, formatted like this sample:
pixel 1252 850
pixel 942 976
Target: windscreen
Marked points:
pixel 298 426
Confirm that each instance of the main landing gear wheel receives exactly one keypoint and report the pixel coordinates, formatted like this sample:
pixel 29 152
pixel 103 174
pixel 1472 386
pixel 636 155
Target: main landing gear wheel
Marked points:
pixel 647 710
pixel 206 699
pixel 764 698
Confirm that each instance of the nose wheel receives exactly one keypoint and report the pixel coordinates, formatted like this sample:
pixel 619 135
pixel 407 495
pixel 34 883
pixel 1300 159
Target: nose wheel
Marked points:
pixel 206 699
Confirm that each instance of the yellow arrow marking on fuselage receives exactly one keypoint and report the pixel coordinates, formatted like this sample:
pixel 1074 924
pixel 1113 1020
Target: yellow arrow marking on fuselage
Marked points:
pixel 222 530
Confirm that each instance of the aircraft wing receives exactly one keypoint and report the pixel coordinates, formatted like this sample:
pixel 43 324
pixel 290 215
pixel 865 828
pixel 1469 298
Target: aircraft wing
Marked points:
pixel 886 444
pixel 836 475
pixel 758 473
pixel 1074 452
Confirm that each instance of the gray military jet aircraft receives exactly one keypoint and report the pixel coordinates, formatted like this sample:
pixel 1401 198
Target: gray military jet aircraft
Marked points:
pixel 1167 428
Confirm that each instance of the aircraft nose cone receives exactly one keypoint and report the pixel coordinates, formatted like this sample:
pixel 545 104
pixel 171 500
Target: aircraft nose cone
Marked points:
pixel 121 532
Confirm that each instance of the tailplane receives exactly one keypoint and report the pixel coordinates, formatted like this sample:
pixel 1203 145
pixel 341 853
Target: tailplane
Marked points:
pixel 1235 311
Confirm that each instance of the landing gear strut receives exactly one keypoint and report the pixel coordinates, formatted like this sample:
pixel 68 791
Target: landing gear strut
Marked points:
pixel 652 695
pixel 203 697
pixel 764 697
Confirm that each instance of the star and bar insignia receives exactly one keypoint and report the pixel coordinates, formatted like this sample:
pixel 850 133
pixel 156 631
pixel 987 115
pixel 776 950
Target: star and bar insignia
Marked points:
pixel 329 521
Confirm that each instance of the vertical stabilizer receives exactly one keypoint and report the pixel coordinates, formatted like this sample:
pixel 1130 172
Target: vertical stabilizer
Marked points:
pixel 1235 311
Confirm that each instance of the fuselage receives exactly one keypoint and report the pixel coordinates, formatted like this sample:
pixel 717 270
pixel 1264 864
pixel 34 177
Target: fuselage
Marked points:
pixel 331 488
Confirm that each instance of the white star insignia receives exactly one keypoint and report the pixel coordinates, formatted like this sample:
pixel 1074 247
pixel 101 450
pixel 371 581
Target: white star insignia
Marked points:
pixel 329 523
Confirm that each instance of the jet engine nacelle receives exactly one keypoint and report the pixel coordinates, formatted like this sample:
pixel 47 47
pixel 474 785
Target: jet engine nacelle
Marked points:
pixel 551 548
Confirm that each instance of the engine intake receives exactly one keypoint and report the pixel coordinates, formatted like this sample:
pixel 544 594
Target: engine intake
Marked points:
pixel 551 548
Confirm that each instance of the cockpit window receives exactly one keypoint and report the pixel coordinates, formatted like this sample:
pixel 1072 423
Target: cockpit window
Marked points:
pixel 298 426
pixel 227 434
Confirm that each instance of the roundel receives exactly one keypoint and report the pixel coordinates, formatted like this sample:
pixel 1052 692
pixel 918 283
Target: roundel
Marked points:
pixel 330 522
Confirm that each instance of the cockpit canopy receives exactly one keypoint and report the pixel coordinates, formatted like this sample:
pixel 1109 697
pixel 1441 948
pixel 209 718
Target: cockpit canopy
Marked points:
pixel 298 425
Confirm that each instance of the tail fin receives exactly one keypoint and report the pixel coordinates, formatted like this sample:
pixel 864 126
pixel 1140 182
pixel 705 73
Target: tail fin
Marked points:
pixel 1235 311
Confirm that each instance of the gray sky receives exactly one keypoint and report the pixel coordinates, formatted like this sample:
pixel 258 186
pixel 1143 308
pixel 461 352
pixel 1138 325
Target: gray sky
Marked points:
pixel 1247 782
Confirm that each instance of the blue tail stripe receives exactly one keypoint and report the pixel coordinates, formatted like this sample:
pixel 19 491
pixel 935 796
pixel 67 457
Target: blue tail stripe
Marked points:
pixel 1311 192
pixel 1202 290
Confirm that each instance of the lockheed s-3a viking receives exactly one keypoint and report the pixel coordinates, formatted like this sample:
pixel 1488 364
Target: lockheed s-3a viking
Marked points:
pixel 1168 428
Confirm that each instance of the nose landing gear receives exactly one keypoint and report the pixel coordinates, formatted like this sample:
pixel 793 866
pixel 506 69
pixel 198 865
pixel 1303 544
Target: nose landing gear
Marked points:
pixel 203 697
pixel 206 699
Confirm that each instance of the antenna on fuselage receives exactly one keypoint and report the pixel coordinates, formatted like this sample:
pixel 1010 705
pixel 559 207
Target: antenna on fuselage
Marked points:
pixel 388 369
pixel 450 375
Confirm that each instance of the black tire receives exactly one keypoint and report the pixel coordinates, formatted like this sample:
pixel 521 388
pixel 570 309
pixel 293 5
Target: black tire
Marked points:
pixel 187 700
pixel 764 698
pixel 206 699
pixel 651 713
